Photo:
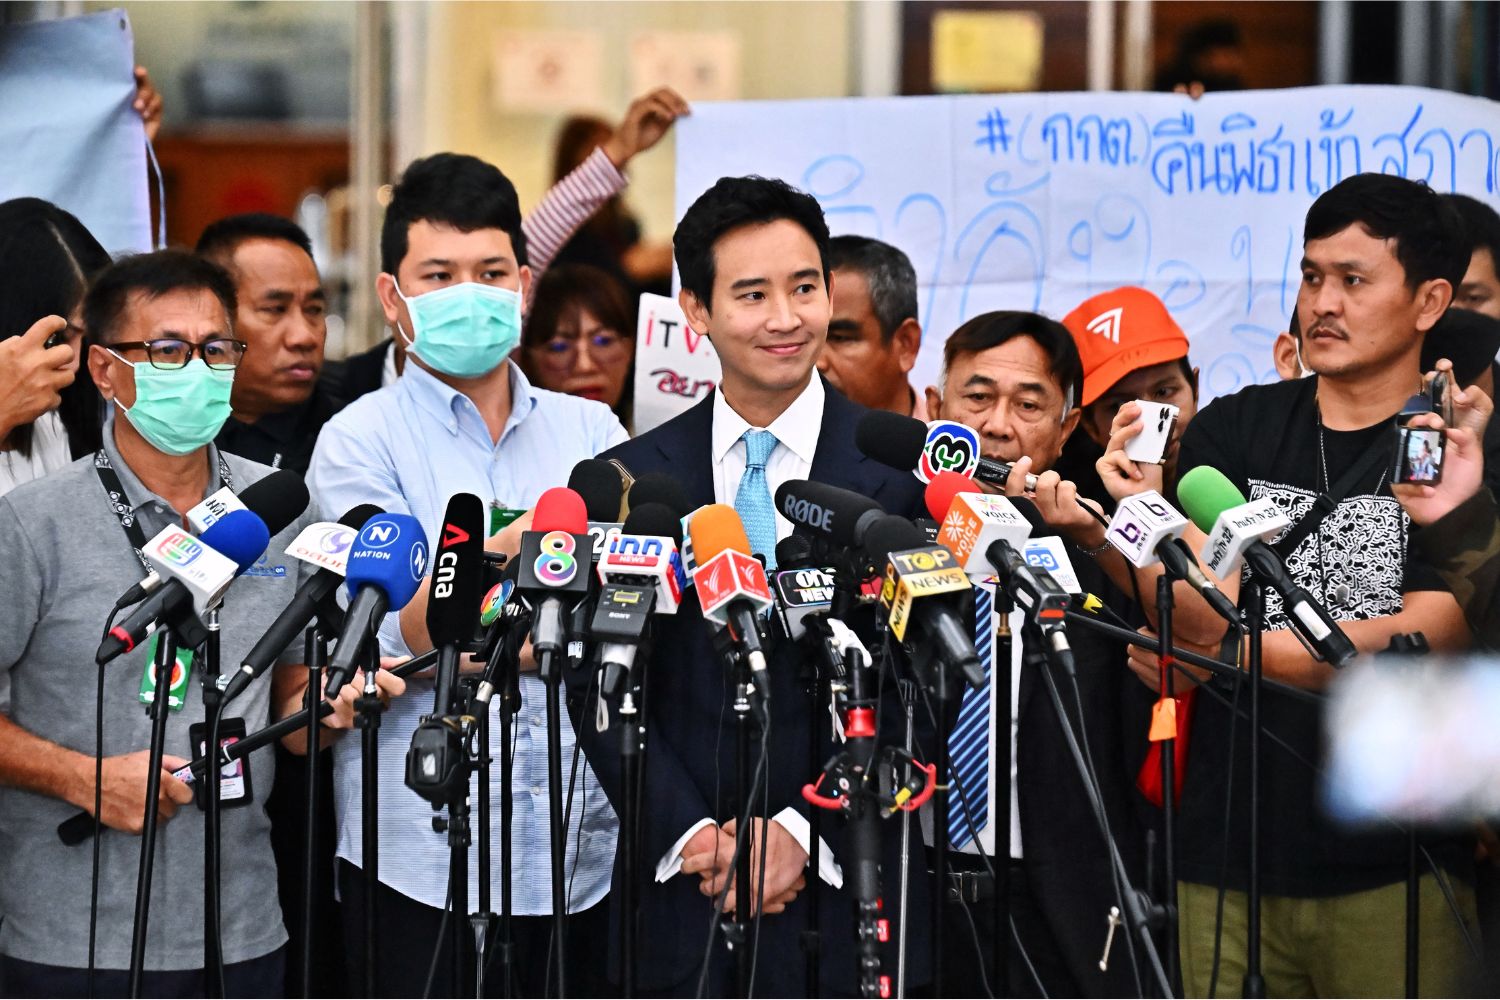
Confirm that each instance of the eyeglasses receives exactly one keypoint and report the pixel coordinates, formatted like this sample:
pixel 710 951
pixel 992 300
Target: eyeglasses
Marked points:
pixel 561 352
pixel 223 353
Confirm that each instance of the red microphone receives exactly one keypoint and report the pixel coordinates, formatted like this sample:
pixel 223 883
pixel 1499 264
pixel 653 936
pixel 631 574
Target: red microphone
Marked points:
pixel 561 509
pixel 941 491
pixel 554 566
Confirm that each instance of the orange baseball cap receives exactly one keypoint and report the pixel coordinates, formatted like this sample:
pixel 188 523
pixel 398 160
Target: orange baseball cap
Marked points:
pixel 1119 331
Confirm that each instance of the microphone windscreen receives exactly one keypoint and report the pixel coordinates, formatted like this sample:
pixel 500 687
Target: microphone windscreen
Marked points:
pixel 653 519
pixel 458 572
pixel 891 439
pixel 240 536
pixel 658 487
pixel 715 528
pixel 893 533
pixel 357 516
pixel 598 482
pixel 277 499
pixel 794 551
pixel 390 553
pixel 561 509
pixel 1205 493
pixel 834 511
pixel 941 491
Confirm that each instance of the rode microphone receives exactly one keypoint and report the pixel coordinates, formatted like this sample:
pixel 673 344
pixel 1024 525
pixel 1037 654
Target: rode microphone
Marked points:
pixel 972 521
pixel 195 574
pixel 325 545
pixel 554 562
pixel 454 595
pixel 386 565
pixel 277 499
pixel 1236 530
pixel 842 515
pixel 926 596
pixel 732 589
pixel 1146 529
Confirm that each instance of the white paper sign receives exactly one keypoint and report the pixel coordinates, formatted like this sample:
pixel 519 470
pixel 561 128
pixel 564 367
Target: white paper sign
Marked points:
pixel 674 367
pixel 1039 201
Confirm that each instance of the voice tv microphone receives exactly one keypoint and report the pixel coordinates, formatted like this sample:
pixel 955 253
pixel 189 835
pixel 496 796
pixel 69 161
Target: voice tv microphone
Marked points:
pixel 973 521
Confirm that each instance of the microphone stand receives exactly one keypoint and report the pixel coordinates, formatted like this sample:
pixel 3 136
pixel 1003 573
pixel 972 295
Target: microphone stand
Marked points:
pixel 1001 680
pixel 213 983
pixel 941 806
pixel 368 709
pixel 632 749
pixel 1254 982
pixel 551 674
pixel 1167 688
pixel 737 931
pixel 908 690
pixel 482 918
pixel 166 662
pixel 315 650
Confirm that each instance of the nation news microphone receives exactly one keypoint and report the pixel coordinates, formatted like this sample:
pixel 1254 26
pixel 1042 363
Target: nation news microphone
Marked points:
pixel 324 544
pixel 435 759
pixel 277 499
pixel 986 534
pixel 641 573
pixel 731 582
pixel 554 568
pixel 386 565
pixel 1146 530
pixel 1236 531
pixel 195 574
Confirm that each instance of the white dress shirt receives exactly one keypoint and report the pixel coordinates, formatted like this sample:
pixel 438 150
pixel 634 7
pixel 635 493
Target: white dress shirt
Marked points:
pixel 796 433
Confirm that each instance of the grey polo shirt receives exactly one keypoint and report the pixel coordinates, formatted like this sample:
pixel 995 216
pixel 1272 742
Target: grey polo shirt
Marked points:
pixel 66 561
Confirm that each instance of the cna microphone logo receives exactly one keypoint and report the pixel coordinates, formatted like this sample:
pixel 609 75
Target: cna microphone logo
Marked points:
pixel 1107 324
pixel 950 447
pixel 179 549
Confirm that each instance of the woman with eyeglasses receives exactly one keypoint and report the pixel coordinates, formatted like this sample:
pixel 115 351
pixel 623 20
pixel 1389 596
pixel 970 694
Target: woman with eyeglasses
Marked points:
pixel 580 337
pixel 49 407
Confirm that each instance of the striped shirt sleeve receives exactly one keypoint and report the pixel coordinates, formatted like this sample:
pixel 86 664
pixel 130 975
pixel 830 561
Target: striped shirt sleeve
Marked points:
pixel 566 206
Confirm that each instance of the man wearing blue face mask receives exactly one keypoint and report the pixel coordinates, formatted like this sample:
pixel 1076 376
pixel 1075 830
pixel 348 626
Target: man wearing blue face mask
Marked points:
pixel 461 419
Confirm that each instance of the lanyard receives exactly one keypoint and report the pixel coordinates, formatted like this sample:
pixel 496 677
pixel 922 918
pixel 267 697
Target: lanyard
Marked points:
pixel 114 492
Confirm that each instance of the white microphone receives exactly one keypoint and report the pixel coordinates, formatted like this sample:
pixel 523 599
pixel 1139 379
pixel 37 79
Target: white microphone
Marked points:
pixel 974 522
pixel 1236 529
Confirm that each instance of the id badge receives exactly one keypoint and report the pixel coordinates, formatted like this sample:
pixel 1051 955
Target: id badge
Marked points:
pixel 234 778
pixel 502 516
pixel 181 671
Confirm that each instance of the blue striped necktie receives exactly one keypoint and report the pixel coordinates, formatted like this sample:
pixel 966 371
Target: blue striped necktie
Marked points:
pixel 969 743
pixel 753 498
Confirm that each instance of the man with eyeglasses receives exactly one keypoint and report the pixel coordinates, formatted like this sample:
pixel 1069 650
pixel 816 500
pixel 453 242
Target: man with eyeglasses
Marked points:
pixel 162 351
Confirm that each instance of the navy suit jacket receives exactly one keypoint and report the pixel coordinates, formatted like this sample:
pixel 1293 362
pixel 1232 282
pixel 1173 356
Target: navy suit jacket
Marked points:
pixel 690 759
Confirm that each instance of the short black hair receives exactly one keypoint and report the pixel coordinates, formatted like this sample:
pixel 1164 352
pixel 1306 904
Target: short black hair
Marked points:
pixel 154 274
pixel 733 202
pixel 1481 224
pixel 992 329
pixel 457 190
pixel 1426 228
pixel 888 272
pixel 223 237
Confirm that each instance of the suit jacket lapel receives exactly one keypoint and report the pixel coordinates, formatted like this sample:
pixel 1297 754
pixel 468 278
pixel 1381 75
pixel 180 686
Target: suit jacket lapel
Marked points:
pixel 689 453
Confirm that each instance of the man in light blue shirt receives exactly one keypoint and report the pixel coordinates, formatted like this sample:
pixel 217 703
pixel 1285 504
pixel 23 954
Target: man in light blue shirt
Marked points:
pixel 463 419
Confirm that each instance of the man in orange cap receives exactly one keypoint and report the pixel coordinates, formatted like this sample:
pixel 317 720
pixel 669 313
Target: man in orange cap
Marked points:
pixel 1132 349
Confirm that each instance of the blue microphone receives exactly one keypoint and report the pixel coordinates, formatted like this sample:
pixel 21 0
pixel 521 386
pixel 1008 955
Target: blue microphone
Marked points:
pixel 239 535
pixel 387 563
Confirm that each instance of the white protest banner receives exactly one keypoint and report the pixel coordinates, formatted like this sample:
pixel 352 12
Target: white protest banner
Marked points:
pixel 69 132
pixel 674 367
pixel 1039 201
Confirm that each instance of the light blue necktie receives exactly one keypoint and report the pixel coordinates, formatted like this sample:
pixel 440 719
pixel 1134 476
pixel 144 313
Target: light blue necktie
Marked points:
pixel 969 743
pixel 753 498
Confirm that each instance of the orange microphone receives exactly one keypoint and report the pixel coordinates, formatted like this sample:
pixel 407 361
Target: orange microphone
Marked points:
pixel 731 582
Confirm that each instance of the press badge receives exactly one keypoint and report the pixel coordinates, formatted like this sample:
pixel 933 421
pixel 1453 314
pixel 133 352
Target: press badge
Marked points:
pixel 234 777
pixel 181 670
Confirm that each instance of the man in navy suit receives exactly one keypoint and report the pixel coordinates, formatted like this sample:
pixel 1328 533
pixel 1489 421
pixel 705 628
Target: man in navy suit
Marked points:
pixel 753 257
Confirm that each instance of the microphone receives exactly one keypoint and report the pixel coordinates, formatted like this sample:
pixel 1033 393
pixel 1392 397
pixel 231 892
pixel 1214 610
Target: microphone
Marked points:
pixel 323 544
pixel 195 574
pixel 498 613
pixel 1146 530
pixel 972 521
pixel 801 594
pixel 843 515
pixel 645 554
pixel 1236 531
pixel 386 565
pixel 731 582
pixel 456 590
pixel 277 499
pixel 551 578
pixel 928 449
pixel 600 486
pixel 925 593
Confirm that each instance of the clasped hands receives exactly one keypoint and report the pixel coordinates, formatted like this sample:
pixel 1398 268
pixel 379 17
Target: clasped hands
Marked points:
pixel 709 854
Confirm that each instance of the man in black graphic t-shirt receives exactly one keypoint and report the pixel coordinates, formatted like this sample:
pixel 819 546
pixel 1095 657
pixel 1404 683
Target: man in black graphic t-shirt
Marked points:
pixel 1381 258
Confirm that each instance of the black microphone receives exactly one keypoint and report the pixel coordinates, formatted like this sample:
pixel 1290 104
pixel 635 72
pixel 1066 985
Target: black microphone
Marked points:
pixel 603 491
pixel 658 487
pixel 314 597
pixel 277 499
pixel 926 592
pixel 899 442
pixel 843 515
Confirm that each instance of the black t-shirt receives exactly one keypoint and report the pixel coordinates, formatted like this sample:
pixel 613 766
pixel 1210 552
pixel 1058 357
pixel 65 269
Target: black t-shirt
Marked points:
pixel 283 440
pixel 1265 439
